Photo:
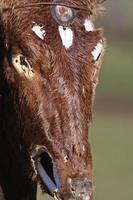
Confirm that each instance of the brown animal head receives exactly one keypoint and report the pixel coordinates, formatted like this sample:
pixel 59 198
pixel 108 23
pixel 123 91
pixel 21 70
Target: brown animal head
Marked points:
pixel 50 62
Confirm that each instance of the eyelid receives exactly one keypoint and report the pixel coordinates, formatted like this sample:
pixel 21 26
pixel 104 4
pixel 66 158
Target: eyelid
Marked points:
pixel 63 19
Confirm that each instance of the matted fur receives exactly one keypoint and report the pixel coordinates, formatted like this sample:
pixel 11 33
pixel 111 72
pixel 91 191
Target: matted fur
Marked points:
pixel 55 107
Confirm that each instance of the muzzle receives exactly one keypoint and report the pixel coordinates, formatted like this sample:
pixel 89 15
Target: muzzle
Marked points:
pixel 77 188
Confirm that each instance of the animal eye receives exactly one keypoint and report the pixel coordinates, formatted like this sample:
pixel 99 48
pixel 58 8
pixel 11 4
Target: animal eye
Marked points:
pixel 63 15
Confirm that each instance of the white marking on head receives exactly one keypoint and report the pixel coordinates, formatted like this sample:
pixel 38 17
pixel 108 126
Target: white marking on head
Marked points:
pixel 97 51
pixel 66 159
pixel 69 180
pixel 88 25
pixel 66 36
pixel 87 198
pixel 39 30
pixel 83 147
pixel 83 90
pixel 22 66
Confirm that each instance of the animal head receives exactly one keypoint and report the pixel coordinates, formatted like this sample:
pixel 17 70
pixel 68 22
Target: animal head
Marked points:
pixel 50 61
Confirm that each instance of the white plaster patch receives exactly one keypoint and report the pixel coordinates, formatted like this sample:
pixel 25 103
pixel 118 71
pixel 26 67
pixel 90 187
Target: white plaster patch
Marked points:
pixel 66 159
pixel 83 90
pixel 84 148
pixel 39 30
pixel 87 198
pixel 88 25
pixel 66 36
pixel 69 180
pixel 22 66
pixel 97 51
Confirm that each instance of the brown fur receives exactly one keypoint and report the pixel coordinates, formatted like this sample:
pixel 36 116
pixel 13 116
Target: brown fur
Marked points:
pixel 53 109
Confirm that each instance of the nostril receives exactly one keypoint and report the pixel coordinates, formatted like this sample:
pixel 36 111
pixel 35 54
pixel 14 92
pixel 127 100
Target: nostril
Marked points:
pixel 72 189
pixel 80 188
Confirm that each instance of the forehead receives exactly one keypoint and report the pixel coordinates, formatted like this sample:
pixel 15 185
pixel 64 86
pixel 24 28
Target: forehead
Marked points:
pixel 35 8
pixel 81 3
pixel 37 24
pixel 24 18
pixel 78 2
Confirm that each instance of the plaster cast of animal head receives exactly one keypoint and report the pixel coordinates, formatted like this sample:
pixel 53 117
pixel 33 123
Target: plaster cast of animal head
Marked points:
pixel 51 66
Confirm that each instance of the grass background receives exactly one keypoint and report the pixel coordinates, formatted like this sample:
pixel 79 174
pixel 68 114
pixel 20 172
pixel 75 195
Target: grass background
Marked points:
pixel 111 132
pixel 112 144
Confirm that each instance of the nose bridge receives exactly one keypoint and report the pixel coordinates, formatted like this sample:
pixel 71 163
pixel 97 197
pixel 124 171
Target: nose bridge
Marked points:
pixel 66 129
pixel 62 111
pixel 67 132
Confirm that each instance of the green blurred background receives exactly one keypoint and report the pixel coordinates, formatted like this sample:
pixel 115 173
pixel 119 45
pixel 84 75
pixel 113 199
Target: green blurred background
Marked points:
pixel 112 128
pixel 111 132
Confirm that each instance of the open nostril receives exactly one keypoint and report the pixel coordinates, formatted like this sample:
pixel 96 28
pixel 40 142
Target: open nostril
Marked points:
pixel 72 189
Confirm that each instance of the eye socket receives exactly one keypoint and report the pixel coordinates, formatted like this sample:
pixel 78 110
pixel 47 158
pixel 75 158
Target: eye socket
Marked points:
pixel 63 15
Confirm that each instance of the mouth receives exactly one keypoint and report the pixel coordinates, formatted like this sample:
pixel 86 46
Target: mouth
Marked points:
pixel 46 171
pixel 78 188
